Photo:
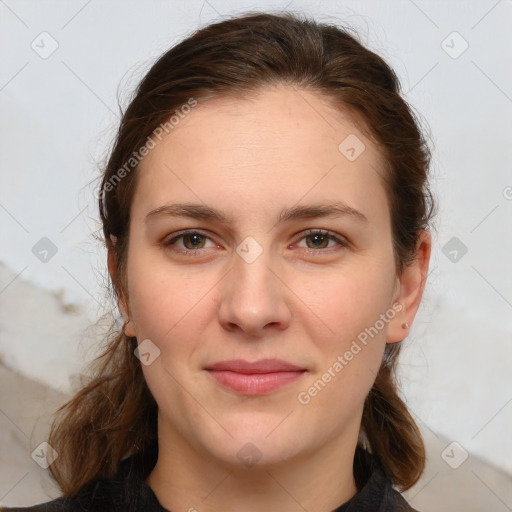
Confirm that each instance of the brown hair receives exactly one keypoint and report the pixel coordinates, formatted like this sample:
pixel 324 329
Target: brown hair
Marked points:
pixel 115 414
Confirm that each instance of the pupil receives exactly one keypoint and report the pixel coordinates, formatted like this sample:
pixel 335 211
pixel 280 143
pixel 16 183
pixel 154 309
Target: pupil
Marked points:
pixel 194 240
pixel 317 238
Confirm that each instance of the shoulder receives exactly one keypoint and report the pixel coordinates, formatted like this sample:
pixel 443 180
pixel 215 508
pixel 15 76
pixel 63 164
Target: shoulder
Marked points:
pixel 51 506
pixel 396 502
pixel 127 491
pixel 376 491
pixel 103 496
pixel 95 497
pixel 86 500
pixel 380 492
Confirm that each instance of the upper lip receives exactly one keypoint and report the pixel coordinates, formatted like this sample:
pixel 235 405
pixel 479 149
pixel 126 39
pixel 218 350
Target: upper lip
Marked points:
pixel 260 366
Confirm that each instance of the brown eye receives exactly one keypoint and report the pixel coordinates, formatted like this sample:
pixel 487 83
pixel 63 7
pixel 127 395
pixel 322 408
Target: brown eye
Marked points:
pixel 193 241
pixel 318 239
pixel 188 243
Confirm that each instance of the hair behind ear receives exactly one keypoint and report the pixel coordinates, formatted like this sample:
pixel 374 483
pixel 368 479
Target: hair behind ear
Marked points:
pixel 113 416
pixel 390 429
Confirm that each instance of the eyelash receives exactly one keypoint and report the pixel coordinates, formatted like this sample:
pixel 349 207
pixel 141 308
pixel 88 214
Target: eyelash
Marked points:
pixel 191 252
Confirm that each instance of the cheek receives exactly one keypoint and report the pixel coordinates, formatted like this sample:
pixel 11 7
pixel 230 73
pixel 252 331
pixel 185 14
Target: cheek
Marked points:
pixel 350 353
pixel 352 301
pixel 163 298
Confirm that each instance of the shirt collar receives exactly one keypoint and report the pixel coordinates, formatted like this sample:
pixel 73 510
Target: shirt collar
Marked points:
pixel 375 490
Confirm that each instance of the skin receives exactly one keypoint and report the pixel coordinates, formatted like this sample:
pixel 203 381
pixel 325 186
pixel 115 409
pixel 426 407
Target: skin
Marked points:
pixel 251 158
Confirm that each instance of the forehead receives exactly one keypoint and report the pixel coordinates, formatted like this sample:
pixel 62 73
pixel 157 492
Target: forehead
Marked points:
pixel 271 148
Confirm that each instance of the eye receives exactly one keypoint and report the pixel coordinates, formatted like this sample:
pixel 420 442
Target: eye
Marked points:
pixel 319 239
pixel 191 242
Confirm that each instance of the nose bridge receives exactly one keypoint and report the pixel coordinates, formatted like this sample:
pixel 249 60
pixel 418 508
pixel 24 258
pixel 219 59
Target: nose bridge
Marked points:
pixel 252 276
pixel 253 296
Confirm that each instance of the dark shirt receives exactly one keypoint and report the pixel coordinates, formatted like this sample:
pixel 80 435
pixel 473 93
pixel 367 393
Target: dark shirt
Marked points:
pixel 127 491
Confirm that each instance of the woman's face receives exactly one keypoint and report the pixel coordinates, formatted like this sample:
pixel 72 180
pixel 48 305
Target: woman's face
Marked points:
pixel 239 274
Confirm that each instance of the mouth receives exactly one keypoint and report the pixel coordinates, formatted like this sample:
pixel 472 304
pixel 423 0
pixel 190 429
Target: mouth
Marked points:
pixel 255 378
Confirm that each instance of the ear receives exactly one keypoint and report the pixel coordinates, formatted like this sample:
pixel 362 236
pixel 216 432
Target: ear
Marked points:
pixel 409 290
pixel 112 269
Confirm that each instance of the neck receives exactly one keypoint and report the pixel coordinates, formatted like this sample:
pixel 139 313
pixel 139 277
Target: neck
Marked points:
pixel 184 480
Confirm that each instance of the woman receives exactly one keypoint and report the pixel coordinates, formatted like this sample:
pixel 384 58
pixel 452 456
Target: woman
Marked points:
pixel 266 213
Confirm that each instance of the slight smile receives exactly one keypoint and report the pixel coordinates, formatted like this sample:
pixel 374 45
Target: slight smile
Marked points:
pixel 257 378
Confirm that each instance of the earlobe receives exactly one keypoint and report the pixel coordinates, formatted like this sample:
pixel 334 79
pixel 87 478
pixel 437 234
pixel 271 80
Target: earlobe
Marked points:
pixel 128 329
pixel 112 266
pixel 410 286
pixel 399 327
pixel 128 323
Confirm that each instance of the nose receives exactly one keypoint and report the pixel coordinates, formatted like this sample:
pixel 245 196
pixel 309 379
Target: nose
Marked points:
pixel 254 298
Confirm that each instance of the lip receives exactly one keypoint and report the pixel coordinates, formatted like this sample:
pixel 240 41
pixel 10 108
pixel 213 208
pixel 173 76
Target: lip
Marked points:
pixel 255 378
pixel 260 366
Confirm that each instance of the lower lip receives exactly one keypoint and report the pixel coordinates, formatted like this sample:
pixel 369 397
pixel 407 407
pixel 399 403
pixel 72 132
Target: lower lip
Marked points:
pixel 254 383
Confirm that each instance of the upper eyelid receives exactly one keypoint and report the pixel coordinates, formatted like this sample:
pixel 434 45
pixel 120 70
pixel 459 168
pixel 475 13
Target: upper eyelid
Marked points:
pixel 180 234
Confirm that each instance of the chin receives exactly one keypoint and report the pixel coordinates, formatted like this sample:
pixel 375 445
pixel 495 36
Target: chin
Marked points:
pixel 242 454
pixel 255 441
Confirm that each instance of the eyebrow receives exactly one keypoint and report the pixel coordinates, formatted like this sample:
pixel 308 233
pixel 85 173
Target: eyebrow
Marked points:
pixel 201 211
